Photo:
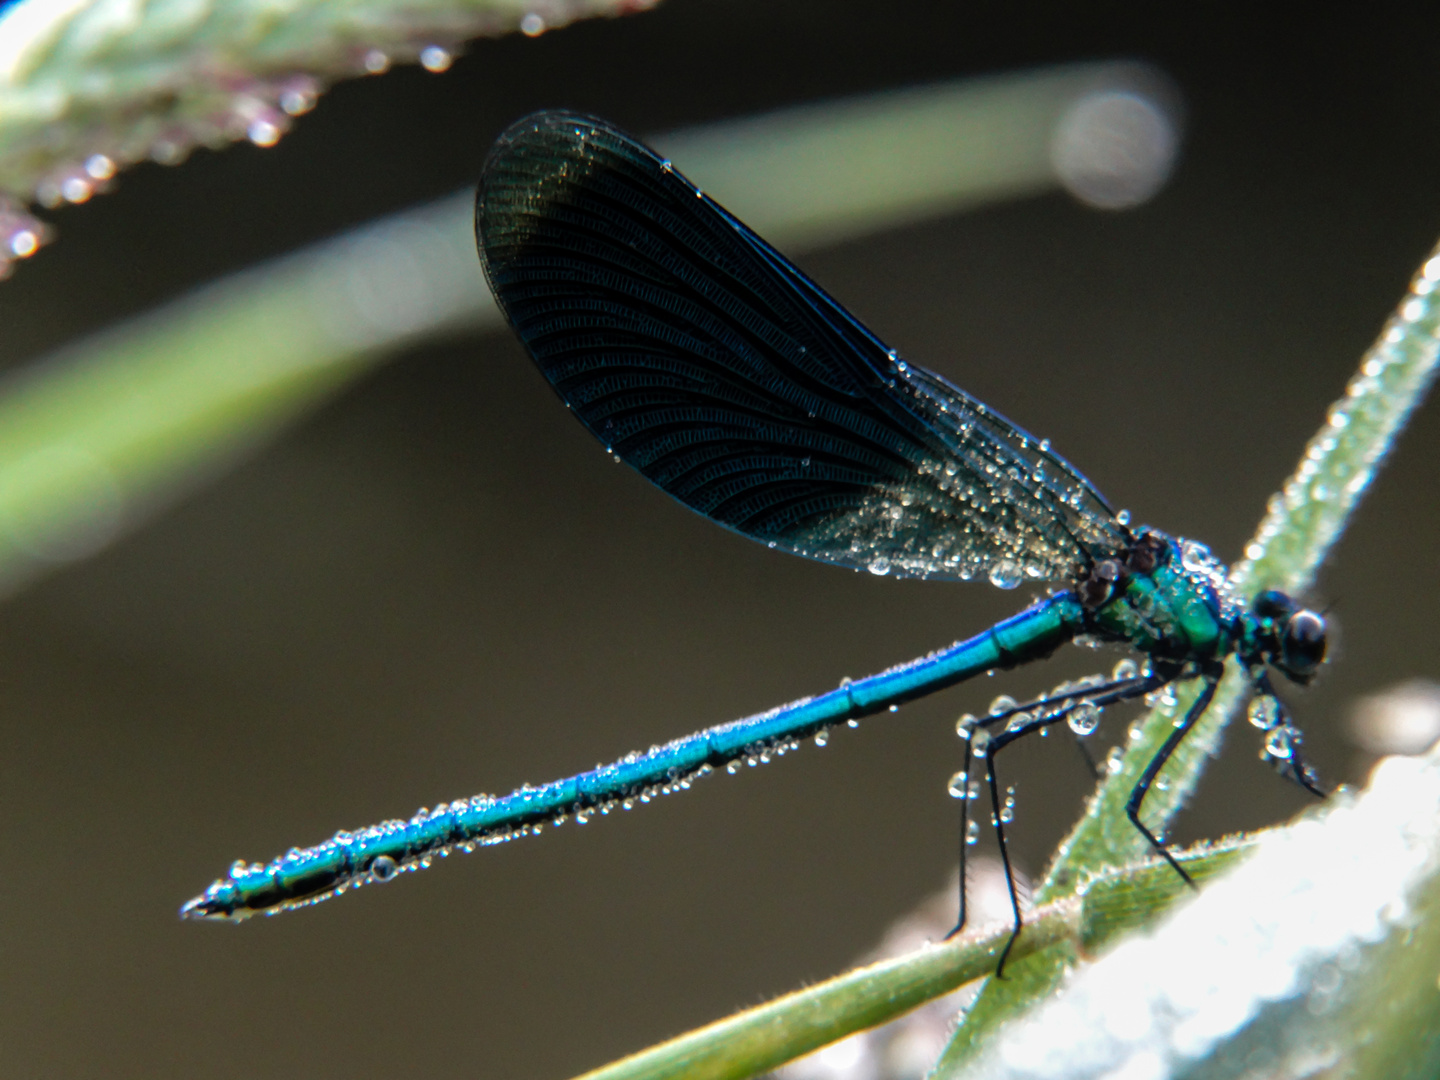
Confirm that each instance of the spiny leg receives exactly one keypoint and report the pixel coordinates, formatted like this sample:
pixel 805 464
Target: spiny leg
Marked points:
pixel 1300 771
pixel 999 823
pixel 1211 675
pixel 964 797
pixel 1039 714
pixel 1046 710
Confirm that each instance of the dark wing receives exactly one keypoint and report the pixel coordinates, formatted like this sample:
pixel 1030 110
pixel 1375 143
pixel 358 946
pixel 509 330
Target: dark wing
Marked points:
pixel 699 355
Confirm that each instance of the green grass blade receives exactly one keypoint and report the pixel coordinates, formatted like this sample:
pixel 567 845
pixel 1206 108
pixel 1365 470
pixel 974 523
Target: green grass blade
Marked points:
pixel 1317 957
pixel 1302 522
pixel 760 1039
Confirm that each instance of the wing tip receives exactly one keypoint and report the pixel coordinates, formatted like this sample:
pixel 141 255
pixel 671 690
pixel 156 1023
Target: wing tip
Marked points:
pixel 534 149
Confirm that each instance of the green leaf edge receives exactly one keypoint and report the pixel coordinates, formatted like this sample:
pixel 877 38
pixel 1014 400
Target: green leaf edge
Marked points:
pixel 764 1037
pixel 1303 521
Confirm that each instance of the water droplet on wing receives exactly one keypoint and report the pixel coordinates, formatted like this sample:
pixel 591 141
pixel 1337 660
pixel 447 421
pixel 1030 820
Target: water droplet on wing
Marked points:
pixel 1005 574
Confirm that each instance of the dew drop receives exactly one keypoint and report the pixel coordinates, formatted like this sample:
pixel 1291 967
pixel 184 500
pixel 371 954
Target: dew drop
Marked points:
pixel 376 62
pixel 100 167
pixel 24 243
pixel 532 25
pixel 972 832
pixel 1279 744
pixel 76 189
pixel 435 59
pixel 1264 712
pixel 263 132
pixel 959 785
pixel 1005 574
pixel 965 726
pixel 1084 719
pixel 879 566
pixel 1125 669
pixel 1195 557
pixel 1007 809
pixel 821 738
pixel 383 868
pixel 297 100
pixel 1002 704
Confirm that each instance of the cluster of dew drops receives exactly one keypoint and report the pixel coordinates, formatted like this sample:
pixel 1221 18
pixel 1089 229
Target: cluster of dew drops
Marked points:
pixel 1281 737
pixel 1082 718
pixel 260 111
pixel 383 868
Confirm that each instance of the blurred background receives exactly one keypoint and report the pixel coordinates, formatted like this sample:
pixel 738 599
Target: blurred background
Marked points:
pixel 437 584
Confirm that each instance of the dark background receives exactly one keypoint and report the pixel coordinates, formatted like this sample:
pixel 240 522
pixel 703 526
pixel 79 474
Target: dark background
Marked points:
pixel 438 585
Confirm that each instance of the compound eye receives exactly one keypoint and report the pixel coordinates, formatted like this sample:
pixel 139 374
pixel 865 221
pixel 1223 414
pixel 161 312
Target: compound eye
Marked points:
pixel 1274 604
pixel 1304 643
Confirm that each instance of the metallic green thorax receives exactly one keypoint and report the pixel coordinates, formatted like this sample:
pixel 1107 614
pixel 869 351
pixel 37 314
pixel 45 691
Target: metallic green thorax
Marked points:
pixel 1168 598
pixel 1171 612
